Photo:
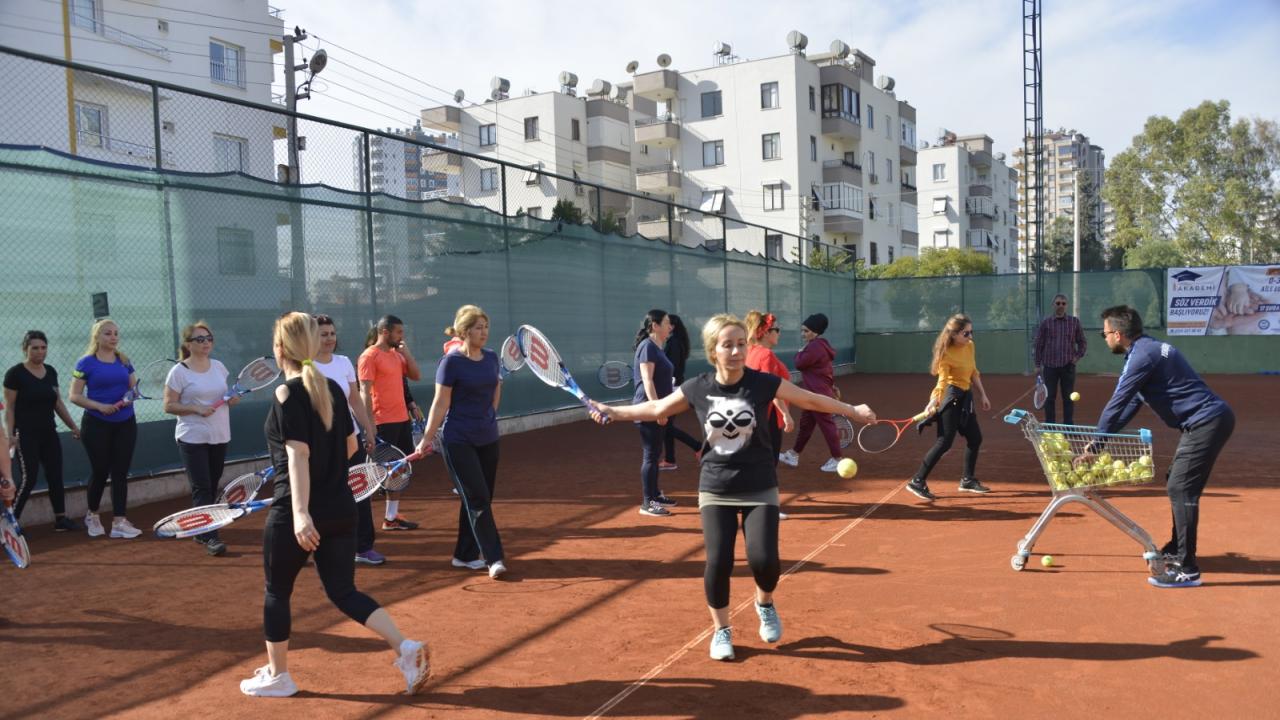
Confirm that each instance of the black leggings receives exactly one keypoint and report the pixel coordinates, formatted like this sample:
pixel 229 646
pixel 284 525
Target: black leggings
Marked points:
pixel 719 533
pixel 672 435
pixel 475 471
pixel 39 448
pixel 204 463
pixel 110 449
pixel 283 558
pixel 651 434
pixel 949 424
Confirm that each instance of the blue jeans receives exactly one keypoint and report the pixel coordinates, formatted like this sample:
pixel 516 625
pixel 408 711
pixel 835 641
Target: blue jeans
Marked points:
pixel 652 435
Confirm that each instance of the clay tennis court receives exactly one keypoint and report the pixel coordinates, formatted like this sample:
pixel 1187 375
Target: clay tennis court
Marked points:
pixel 898 608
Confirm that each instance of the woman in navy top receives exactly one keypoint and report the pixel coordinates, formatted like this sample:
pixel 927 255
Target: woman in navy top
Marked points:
pixel 100 380
pixel 466 404
pixel 653 374
pixel 677 350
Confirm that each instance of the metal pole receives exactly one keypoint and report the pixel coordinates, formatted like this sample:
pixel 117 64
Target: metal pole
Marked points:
pixel 297 256
pixel 168 221
pixel 1075 234
pixel 506 234
pixel 367 181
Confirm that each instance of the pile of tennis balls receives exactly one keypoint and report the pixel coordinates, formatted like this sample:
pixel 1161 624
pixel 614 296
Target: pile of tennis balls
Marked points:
pixel 1058 458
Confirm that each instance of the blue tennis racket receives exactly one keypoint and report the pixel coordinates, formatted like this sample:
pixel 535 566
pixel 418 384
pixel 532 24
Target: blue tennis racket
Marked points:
pixel 543 360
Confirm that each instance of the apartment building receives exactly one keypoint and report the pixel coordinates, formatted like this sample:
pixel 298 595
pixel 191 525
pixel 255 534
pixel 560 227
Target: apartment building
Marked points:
pixel 968 199
pixel 1071 163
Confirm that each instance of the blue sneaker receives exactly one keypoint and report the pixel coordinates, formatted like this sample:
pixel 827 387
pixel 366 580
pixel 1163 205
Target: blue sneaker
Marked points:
pixel 370 557
pixel 1175 577
pixel 770 623
pixel 722 644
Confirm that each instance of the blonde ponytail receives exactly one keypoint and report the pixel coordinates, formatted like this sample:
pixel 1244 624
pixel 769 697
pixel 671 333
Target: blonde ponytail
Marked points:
pixel 298 336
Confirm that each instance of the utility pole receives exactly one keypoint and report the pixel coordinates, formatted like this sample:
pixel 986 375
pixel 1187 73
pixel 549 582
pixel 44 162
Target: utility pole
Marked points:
pixel 1075 251
pixel 292 175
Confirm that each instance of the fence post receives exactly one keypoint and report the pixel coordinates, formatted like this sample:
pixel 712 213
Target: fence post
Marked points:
pixel 506 237
pixel 168 218
pixel 724 258
pixel 367 182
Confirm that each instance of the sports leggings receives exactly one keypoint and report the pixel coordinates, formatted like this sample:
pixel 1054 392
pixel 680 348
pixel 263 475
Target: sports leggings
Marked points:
pixel 39 448
pixel 719 533
pixel 283 558
pixel 110 449
pixel 953 419
pixel 673 434
pixel 475 471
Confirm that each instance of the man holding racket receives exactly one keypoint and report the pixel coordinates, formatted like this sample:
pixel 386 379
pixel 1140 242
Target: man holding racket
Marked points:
pixel 382 369
pixel 1059 345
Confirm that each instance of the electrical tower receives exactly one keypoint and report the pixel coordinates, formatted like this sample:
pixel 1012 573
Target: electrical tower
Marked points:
pixel 1033 164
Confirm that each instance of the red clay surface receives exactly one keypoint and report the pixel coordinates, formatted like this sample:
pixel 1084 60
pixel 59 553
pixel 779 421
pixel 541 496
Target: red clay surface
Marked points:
pixel 912 610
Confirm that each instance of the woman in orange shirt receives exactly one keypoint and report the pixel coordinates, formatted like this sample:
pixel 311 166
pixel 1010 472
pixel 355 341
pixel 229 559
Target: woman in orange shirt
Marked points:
pixel 951 405
pixel 762 337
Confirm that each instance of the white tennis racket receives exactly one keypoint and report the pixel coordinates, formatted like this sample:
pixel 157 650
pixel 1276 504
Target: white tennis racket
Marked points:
pixel 614 375
pixel 206 518
pixel 256 375
pixel 246 487
pixel 844 427
pixel 148 383
pixel 1041 394
pixel 541 357
pixel 388 467
pixel 511 356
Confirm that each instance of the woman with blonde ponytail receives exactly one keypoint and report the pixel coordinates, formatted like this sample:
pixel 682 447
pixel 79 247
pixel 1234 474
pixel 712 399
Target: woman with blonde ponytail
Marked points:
pixel 314 511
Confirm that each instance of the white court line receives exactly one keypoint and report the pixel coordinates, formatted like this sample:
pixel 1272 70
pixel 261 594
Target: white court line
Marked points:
pixel 675 656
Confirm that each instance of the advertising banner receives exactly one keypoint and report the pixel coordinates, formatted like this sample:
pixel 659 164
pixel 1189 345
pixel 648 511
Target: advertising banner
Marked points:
pixel 1232 300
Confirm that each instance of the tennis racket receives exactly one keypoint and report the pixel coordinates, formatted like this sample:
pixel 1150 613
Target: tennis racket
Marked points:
pixel 545 362
pixel 206 518
pixel 884 434
pixel 844 427
pixel 614 375
pixel 254 376
pixel 512 357
pixel 1041 394
pixel 388 467
pixel 15 545
pixel 245 488
pixel 148 383
pixel 420 429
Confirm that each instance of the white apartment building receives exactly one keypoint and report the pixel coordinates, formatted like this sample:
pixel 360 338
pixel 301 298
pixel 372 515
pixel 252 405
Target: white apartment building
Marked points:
pixel 1069 160
pixel 968 199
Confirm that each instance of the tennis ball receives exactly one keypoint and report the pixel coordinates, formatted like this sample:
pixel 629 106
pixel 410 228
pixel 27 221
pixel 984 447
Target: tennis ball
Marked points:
pixel 847 468
pixel 1075 397
pixel 1047 561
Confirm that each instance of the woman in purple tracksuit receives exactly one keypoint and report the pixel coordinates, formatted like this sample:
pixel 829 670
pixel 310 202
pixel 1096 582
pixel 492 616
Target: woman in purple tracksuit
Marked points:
pixel 814 363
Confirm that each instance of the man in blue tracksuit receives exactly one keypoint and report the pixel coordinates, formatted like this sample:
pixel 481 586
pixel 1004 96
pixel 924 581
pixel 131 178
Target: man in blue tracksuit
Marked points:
pixel 1155 373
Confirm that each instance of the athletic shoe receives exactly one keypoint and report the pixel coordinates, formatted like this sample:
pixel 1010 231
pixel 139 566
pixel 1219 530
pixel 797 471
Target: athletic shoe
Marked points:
pixel 122 528
pixel 497 570
pixel 213 546
pixel 468 564
pixel 398 523
pixel 93 524
pixel 1176 578
pixel 653 508
pixel 782 516
pixel 770 623
pixel 264 684
pixel 722 644
pixel 830 465
pixel 664 465
pixel 972 485
pixel 415 664
pixel 920 489
pixel 64 523
pixel 789 458
pixel 665 501
pixel 370 557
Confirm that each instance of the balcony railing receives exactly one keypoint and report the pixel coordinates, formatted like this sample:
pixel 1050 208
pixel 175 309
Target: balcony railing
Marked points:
pixel 121 147
pixel 275 12
pixel 664 118
pixel 654 169
pixel 842 114
pixel 840 163
pixel 908 187
pixel 227 74
pixel 93 24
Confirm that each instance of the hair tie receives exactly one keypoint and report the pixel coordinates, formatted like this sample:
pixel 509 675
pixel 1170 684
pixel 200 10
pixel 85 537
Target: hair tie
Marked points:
pixel 766 324
pixel 308 361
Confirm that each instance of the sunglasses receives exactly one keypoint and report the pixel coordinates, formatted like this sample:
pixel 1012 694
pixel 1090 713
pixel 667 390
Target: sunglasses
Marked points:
pixel 967 333
pixel 1105 333
pixel 1060 304
pixel 775 330
pixel 201 339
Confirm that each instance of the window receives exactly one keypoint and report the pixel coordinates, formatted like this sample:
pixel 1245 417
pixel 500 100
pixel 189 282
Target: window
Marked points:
pixel 771 146
pixel 575 129
pixel 86 14
pixel 488 135
pixel 813 148
pixel 769 95
pixel 871 208
pixel 773 247
pixel 888 170
pixel 531 128
pixel 940 205
pixel 871 165
pixel 889 215
pixel 711 106
pixel 840 101
pixel 875 254
pixel 226 63
pixel 888 127
pixel 773 197
pixel 712 153
pixel 230 154
pixel 871 117
pixel 890 249
pixel 940 172
pixel 941 238
pixel 712 201
pixel 534 212
pixel 813 101
pixel 532 176
pixel 236 255
pixel 91 125
pixel 488 179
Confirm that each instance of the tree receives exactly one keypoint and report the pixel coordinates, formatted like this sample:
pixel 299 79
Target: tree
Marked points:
pixel 828 259
pixel 567 211
pixel 1201 182
pixel 926 304
pixel 1154 254
pixel 609 223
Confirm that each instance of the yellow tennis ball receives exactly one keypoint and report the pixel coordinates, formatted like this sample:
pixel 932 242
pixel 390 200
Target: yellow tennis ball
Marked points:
pixel 1047 561
pixel 847 468
pixel 1075 397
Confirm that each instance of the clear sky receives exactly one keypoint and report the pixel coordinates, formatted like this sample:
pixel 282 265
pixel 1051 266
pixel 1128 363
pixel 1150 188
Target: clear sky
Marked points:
pixel 1109 64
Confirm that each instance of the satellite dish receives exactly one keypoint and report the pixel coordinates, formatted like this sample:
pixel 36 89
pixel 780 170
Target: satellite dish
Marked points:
pixel 568 79
pixel 458 96
pixel 633 66
pixel 797 40
pixel 885 83
pixel 500 84
pixel 664 60
pixel 318 61
pixel 840 49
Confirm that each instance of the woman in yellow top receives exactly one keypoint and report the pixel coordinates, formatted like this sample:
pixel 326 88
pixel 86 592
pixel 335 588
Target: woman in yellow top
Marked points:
pixel 951 405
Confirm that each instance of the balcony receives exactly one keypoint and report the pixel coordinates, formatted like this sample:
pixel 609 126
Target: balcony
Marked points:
pixel 841 171
pixel 441 162
pixel 657 228
pixel 978 190
pixel 981 240
pixel 447 118
pixel 841 125
pixel 837 222
pixel 981 158
pixel 981 206
pixel 910 218
pixel 910 238
pixel 83 17
pixel 658 179
pixel 92 144
pixel 908 194
pixel 906 156
pixel 979 222
pixel 660 132
pixel 657 85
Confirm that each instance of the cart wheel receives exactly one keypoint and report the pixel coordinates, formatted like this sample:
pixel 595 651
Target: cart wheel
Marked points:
pixel 1155 562
pixel 1018 561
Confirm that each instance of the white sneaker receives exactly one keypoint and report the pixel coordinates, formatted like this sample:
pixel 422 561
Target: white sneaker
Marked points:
pixel 497 570
pixel 782 516
pixel 415 663
pixel 122 528
pixel 472 565
pixel 770 623
pixel 722 644
pixel 789 458
pixel 830 465
pixel 264 684
pixel 93 524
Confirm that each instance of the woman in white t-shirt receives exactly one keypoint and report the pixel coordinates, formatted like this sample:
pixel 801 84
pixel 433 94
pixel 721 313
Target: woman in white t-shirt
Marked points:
pixel 339 369
pixel 203 432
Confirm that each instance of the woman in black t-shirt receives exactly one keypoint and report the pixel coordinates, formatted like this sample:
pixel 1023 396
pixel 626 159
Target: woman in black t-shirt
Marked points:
pixel 314 511
pixel 738 474
pixel 31 399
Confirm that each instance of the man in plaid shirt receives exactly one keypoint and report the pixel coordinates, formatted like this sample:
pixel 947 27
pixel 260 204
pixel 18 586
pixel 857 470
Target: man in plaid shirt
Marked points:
pixel 1060 344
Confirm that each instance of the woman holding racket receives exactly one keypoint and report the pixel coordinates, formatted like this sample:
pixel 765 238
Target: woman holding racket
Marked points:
pixel 738 476
pixel 203 431
pixel 653 374
pixel 951 405
pixel 314 511
pixel 109 431
pixel 466 400
pixel 31 399
pixel 677 351
pixel 817 376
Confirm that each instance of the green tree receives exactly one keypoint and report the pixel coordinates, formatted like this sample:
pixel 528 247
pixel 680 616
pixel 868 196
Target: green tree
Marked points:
pixel 1203 183
pixel 609 223
pixel 567 211
pixel 828 259
pixel 925 304
pixel 1154 254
